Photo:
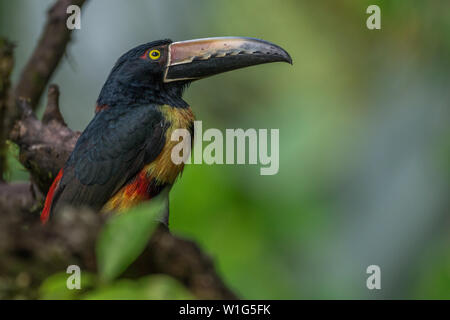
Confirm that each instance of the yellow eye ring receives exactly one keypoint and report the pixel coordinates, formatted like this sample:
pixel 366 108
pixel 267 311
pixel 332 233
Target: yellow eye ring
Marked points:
pixel 154 54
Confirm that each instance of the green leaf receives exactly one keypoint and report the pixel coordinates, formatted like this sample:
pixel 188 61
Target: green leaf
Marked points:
pixel 155 287
pixel 125 236
pixel 55 286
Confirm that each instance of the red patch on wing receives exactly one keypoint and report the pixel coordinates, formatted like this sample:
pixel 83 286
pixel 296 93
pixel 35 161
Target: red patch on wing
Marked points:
pixel 139 186
pixel 101 108
pixel 48 201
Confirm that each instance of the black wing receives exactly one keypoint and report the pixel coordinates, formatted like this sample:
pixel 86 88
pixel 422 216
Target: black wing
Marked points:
pixel 114 147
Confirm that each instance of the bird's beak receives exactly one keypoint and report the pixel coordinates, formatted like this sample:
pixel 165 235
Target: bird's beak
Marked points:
pixel 196 59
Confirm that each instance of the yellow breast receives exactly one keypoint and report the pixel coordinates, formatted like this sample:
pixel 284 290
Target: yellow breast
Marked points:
pixel 161 171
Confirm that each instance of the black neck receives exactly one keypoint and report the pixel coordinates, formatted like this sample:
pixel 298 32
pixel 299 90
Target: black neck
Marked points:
pixel 115 92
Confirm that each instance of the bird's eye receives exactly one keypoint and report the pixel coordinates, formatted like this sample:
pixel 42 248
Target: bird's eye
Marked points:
pixel 154 54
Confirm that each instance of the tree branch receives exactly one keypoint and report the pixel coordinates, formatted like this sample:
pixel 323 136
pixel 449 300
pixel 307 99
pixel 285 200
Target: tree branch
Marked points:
pixel 35 252
pixel 18 197
pixel 52 112
pixel 184 260
pixel 38 70
pixel 44 148
pixel 47 54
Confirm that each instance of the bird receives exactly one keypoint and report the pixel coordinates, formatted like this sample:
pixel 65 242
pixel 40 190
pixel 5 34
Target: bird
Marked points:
pixel 122 157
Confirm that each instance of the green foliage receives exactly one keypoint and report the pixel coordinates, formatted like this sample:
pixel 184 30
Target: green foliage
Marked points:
pixel 434 280
pixel 15 170
pixel 125 236
pixel 55 286
pixel 155 287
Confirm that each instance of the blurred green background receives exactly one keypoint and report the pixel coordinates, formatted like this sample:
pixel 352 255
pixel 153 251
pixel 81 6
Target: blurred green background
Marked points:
pixel 364 137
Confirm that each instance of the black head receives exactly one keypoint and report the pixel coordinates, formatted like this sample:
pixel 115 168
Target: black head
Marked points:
pixel 158 71
pixel 136 78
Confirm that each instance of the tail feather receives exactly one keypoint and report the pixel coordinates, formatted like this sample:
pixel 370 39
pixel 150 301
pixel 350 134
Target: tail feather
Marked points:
pixel 48 201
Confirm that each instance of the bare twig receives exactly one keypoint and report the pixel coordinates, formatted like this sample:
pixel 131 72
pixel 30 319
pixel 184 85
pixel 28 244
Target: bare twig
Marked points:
pixel 47 54
pixel 52 112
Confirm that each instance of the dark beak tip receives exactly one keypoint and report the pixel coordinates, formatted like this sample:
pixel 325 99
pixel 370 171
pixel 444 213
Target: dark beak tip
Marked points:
pixel 288 59
pixel 283 55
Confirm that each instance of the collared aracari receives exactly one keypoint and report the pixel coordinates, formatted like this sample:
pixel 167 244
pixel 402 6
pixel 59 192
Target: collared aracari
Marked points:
pixel 123 157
